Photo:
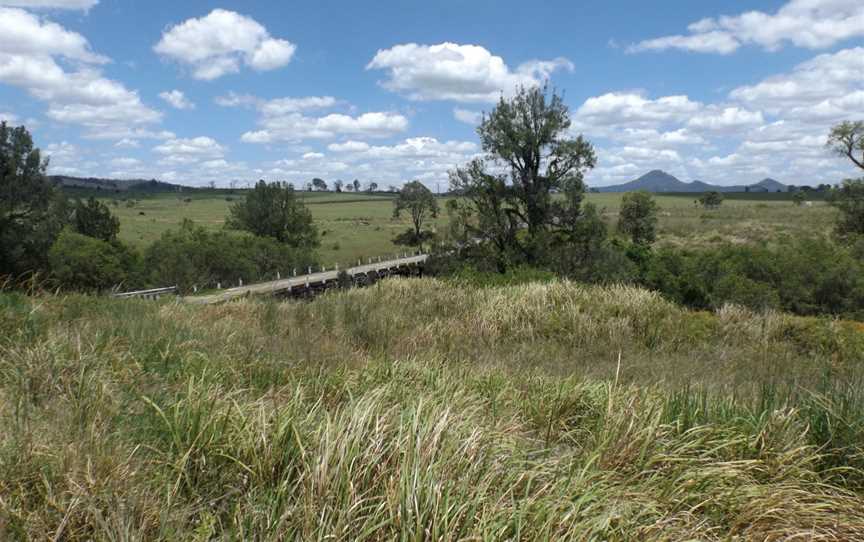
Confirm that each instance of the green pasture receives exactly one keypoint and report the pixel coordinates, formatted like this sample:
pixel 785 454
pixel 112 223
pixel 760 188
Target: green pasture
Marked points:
pixel 355 226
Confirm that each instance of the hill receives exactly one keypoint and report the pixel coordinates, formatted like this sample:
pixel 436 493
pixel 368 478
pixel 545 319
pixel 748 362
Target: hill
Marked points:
pixel 115 185
pixel 660 181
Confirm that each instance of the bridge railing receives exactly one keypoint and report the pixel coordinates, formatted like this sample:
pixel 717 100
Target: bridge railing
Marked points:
pixel 152 293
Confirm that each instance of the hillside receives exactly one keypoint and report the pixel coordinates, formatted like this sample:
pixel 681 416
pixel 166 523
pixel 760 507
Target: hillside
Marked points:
pixel 115 185
pixel 425 410
pixel 659 181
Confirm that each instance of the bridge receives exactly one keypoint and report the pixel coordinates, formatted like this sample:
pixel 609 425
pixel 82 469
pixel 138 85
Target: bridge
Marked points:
pixel 313 283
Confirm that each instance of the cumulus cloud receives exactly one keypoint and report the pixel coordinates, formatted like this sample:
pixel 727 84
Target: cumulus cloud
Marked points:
pixel 814 24
pixel 726 119
pixel 51 4
pixel 220 42
pixel 29 50
pixel 177 99
pixel 450 71
pixel 297 127
pixel 467 116
pixel 630 107
pixel 189 151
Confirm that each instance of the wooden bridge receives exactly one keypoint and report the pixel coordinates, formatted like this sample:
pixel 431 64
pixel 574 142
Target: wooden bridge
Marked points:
pixel 313 283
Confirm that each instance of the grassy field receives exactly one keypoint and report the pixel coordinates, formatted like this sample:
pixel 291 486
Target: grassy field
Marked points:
pixel 359 225
pixel 423 410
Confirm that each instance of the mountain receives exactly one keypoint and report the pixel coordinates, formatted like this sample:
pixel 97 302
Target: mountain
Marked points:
pixel 114 185
pixel 660 181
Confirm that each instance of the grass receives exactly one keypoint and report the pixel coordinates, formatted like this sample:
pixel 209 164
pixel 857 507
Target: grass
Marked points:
pixel 426 410
pixel 357 226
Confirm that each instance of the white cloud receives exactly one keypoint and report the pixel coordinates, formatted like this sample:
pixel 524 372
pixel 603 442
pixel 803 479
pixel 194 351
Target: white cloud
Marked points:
pixel 313 156
pixel 296 127
pixel 726 119
pixel 218 43
pixel 177 99
pixel 9 118
pixel 828 80
pixel 348 146
pixel 450 71
pixel 51 4
pixel 125 162
pixel 28 47
pixel 190 150
pixel 814 24
pixel 629 107
pixel 467 116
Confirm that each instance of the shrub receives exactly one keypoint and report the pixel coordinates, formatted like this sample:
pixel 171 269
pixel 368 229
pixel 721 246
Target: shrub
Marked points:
pixel 80 262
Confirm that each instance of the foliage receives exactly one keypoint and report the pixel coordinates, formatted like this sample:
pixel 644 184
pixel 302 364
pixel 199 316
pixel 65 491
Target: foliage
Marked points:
pixel 847 139
pixel 419 202
pixel 711 200
pixel 528 137
pixel 86 263
pixel 798 198
pixel 193 256
pixel 849 199
pixel 373 186
pixel 94 219
pixel 638 217
pixel 319 184
pixel 273 210
pixel 31 212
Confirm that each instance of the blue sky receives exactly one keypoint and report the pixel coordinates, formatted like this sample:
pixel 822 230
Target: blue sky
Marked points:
pixel 388 91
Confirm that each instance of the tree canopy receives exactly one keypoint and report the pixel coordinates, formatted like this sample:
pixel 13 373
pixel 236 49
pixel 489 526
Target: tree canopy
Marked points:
pixel 638 217
pixel 93 219
pixel 419 202
pixel 29 217
pixel 530 156
pixel 847 139
pixel 273 210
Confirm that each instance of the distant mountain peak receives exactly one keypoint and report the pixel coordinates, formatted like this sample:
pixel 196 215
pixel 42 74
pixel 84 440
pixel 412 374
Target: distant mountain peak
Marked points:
pixel 658 180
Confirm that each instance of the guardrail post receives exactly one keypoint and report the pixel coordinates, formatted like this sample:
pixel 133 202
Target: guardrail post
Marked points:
pixel 278 276
pixel 194 288
pixel 240 281
pixel 218 285
pixel 295 271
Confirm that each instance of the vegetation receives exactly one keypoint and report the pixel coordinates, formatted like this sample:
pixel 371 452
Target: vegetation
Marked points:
pixel 711 200
pixel 419 202
pixel 638 218
pixel 273 210
pixel 94 219
pixel 847 139
pixel 31 213
pixel 413 410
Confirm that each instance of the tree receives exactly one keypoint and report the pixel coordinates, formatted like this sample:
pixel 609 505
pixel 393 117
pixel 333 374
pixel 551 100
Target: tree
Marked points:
pixel 420 204
pixel 356 184
pixel 337 185
pixel 638 217
pixel 711 200
pixel 94 219
pixel 798 198
pixel 319 184
pixel 83 262
pixel 373 186
pixel 32 213
pixel 349 187
pixel 847 139
pixel 528 137
pixel 849 199
pixel 273 210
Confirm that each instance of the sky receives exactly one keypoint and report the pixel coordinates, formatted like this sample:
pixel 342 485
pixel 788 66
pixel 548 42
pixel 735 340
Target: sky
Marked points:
pixel 197 92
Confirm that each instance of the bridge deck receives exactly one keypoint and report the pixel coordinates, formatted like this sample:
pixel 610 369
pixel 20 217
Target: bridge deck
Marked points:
pixel 275 286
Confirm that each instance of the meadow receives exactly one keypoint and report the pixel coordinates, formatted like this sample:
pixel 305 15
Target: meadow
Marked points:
pixel 356 226
pixel 419 409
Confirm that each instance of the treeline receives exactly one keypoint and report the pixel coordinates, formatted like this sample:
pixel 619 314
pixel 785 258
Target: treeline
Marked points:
pixel 521 212
pixel 52 241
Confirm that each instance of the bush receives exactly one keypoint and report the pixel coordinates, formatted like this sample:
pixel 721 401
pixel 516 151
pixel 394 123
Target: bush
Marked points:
pixel 193 256
pixel 80 262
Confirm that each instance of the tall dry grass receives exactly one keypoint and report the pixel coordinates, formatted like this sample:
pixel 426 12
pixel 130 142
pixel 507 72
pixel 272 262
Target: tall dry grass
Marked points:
pixel 417 410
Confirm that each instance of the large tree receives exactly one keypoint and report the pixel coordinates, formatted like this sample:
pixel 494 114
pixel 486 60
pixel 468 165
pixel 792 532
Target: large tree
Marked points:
pixel 530 156
pixel 847 139
pixel 273 210
pixel 29 217
pixel 419 202
pixel 94 219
